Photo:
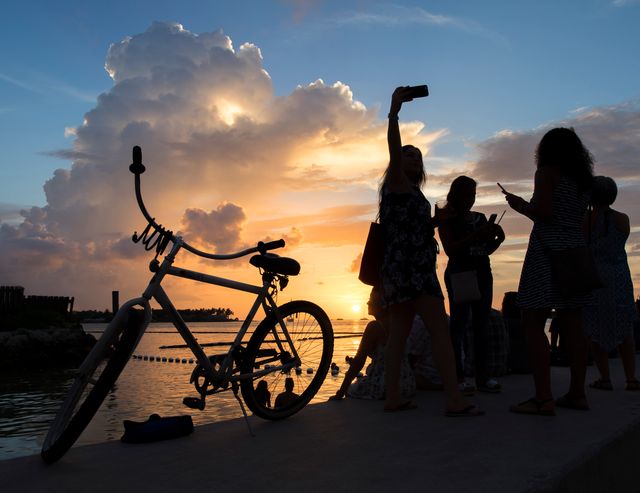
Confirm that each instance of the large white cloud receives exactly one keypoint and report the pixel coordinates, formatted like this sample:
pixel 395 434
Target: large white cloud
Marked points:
pixel 224 155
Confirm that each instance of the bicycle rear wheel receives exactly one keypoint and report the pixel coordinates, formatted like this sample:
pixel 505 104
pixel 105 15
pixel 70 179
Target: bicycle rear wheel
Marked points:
pixel 312 335
pixel 92 384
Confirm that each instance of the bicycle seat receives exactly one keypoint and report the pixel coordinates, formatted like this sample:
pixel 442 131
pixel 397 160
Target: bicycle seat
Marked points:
pixel 274 263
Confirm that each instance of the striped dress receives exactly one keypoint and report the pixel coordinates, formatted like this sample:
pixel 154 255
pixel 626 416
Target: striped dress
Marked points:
pixel 564 231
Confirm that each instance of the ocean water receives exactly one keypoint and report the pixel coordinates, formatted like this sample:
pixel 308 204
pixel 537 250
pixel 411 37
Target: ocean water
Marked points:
pixel 29 399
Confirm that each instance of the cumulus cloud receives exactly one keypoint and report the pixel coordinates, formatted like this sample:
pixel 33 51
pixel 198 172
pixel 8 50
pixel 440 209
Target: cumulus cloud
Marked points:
pixel 612 134
pixel 220 228
pixel 10 213
pixel 227 161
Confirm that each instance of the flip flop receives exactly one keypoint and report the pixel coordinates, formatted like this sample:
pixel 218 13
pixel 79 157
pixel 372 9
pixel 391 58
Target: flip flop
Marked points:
pixel 405 406
pixel 632 385
pixel 533 406
pixel 466 412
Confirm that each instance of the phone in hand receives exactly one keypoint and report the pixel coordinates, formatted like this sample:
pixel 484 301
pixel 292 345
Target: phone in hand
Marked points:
pixel 502 188
pixel 418 91
pixel 492 218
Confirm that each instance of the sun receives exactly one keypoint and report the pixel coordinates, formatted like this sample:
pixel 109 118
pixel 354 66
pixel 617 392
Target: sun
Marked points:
pixel 356 308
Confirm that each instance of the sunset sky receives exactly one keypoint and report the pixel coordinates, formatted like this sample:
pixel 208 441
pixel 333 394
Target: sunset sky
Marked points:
pixel 267 119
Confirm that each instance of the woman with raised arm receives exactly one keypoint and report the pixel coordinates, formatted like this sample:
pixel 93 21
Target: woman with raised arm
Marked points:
pixel 409 282
pixel 563 181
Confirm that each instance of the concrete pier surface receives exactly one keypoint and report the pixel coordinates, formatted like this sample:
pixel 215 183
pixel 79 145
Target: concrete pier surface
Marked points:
pixel 354 446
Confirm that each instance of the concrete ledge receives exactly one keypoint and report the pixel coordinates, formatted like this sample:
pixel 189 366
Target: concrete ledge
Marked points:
pixel 353 445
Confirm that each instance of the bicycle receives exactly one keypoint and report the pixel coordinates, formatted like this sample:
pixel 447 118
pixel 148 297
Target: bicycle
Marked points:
pixel 294 340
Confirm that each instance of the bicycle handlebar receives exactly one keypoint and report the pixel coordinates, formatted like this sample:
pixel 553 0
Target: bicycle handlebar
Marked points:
pixel 165 236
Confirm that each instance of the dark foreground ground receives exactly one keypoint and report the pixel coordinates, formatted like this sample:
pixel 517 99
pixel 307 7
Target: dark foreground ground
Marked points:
pixel 354 446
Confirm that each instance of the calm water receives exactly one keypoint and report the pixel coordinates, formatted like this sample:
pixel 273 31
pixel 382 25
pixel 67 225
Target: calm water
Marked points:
pixel 30 399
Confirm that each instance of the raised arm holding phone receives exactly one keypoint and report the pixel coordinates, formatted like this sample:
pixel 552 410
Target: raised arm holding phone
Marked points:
pixel 409 282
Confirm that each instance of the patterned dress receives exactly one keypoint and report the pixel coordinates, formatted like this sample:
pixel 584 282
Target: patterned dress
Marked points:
pixel 409 262
pixel 371 386
pixel 611 319
pixel 563 231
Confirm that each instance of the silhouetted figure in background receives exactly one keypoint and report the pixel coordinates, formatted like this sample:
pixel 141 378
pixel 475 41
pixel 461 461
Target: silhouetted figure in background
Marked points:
pixel 288 396
pixel 263 396
pixel 410 284
pixel 609 323
pixel 561 193
pixel 518 359
pixel 468 240
pixel 372 345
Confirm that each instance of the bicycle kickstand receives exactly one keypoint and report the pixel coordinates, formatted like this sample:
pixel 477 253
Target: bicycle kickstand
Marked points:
pixel 234 386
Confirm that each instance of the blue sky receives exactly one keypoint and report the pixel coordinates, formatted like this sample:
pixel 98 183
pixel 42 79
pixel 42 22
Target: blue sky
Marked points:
pixel 238 155
pixel 490 65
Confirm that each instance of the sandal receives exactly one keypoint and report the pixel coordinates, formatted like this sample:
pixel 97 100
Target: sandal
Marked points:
pixel 405 406
pixel 601 384
pixel 633 384
pixel 534 406
pixel 466 412
pixel 570 403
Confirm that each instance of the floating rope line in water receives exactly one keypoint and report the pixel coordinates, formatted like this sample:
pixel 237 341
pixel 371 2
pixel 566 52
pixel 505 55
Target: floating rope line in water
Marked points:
pixel 163 359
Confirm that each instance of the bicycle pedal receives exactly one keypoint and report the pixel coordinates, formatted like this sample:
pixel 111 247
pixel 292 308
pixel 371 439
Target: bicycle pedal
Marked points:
pixel 194 403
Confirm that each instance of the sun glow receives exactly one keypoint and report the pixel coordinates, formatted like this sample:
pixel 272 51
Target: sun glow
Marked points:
pixel 356 308
pixel 229 112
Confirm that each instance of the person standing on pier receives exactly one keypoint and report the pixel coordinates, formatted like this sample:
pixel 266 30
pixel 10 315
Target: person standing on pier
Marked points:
pixel 409 282
pixel 563 181
pixel 609 322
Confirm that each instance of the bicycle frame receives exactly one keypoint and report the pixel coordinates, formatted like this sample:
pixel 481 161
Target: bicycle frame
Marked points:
pixel 263 298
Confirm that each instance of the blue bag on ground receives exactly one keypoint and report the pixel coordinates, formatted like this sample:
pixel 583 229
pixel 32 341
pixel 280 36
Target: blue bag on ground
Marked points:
pixel 157 428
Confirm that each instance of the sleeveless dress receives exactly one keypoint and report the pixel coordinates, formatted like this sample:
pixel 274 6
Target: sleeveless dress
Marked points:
pixel 371 386
pixel 563 231
pixel 611 319
pixel 409 261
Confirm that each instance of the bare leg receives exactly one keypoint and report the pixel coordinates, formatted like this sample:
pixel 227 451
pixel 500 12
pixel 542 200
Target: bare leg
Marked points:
pixel 431 309
pixel 400 320
pixel 533 321
pixel 577 349
pixel 628 356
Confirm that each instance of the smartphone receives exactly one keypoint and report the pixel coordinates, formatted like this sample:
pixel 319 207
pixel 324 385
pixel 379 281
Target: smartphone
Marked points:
pixel 418 91
pixel 502 188
pixel 492 218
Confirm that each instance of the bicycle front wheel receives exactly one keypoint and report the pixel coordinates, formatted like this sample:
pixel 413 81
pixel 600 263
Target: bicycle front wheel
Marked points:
pixel 280 394
pixel 96 376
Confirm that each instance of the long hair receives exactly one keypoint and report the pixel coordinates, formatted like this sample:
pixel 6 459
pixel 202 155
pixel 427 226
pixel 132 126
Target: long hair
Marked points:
pixel 562 149
pixel 458 187
pixel 422 179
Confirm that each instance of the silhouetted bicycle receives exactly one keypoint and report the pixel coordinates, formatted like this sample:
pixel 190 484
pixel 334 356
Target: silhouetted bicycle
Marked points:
pixel 294 340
